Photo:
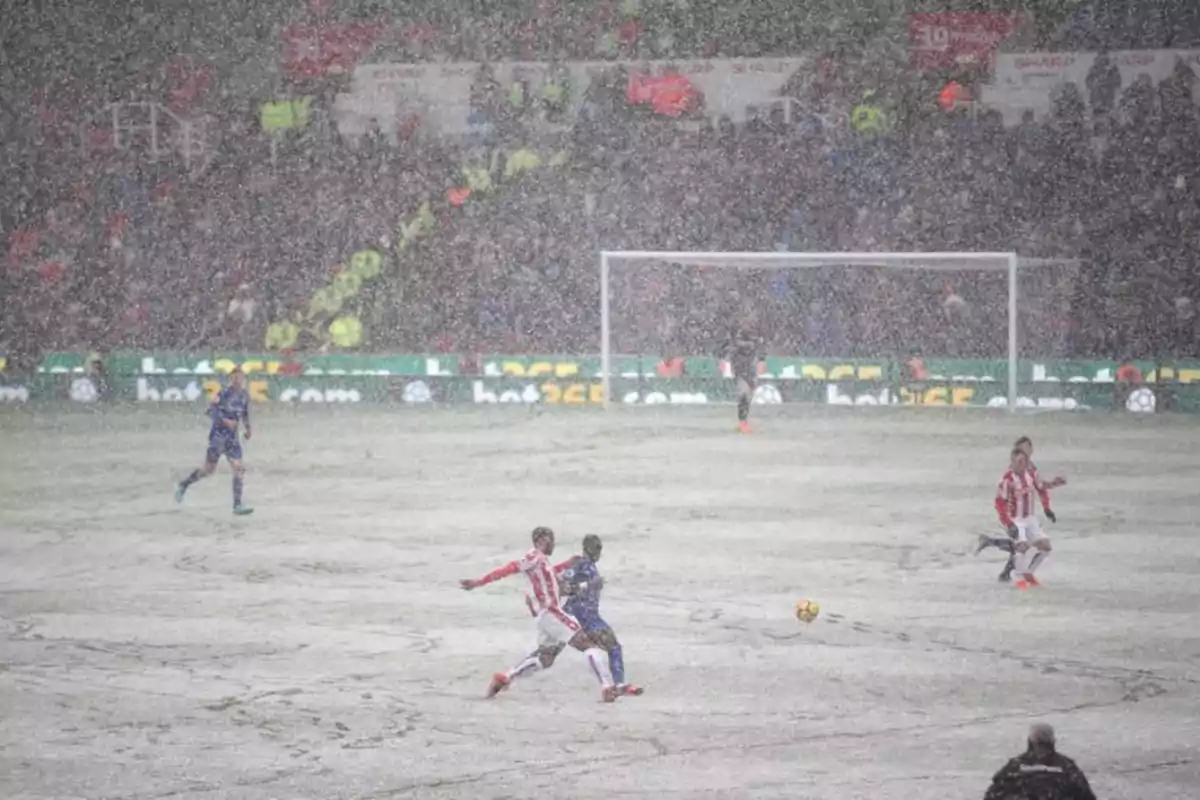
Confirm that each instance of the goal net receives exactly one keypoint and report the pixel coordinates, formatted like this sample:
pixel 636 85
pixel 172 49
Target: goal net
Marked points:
pixel 947 329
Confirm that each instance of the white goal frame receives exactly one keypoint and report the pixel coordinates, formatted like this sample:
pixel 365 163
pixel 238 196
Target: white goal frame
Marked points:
pixel 1010 262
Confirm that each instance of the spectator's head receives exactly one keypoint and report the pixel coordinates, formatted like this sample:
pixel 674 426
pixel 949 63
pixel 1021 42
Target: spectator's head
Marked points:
pixel 1041 738
pixel 1185 310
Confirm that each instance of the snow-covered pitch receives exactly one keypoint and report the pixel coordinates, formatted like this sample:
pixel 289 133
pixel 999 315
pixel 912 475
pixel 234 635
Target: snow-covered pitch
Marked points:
pixel 322 649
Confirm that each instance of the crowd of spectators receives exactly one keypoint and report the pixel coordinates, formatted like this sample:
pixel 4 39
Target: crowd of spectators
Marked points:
pixel 108 249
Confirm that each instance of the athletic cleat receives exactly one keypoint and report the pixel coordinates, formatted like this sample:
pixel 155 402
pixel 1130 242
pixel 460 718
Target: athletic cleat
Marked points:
pixel 1006 573
pixel 985 542
pixel 744 427
pixel 629 689
pixel 499 683
pixel 1032 581
pixel 1021 584
pixel 609 694
pixel 179 491
pixel 242 511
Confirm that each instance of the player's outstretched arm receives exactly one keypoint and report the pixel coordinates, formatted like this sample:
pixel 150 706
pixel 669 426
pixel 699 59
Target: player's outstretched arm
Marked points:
pixel 1043 491
pixel 511 568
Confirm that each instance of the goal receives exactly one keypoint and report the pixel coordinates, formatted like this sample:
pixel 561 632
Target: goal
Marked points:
pixel 674 302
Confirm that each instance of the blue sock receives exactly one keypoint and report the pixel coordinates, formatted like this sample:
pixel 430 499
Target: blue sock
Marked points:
pixel 616 664
pixel 237 490
pixel 190 479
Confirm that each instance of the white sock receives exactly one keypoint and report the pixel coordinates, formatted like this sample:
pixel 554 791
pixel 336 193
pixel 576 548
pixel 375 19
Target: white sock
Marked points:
pixel 1021 562
pixel 528 666
pixel 1038 559
pixel 599 663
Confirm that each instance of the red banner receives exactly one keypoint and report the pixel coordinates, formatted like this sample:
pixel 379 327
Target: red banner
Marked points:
pixel 948 40
pixel 670 95
pixel 311 51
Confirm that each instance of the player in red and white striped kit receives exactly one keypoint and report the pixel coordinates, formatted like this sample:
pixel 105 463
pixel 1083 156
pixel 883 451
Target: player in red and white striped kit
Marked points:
pixel 1015 507
pixel 554 626
pixel 1005 543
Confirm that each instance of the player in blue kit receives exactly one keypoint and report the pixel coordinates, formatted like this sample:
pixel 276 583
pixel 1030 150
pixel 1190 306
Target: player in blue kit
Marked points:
pixel 229 412
pixel 581 583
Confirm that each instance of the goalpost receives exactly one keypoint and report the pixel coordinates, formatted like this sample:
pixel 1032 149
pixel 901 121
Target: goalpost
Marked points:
pixel 1008 264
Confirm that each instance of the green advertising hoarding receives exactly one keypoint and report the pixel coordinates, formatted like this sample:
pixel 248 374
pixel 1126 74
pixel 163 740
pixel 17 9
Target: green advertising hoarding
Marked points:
pixel 157 377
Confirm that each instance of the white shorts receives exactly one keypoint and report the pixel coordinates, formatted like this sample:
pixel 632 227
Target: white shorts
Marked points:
pixel 555 627
pixel 1029 530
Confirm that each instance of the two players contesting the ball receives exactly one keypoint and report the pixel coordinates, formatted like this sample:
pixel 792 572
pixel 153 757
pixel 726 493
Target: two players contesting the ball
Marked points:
pixel 1027 544
pixel 578 624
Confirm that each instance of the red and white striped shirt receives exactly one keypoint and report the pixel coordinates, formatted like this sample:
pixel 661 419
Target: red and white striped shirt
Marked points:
pixel 538 569
pixel 540 572
pixel 1014 495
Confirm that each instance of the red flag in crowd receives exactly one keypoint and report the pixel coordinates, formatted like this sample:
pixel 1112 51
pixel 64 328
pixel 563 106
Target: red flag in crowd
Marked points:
pixel 669 95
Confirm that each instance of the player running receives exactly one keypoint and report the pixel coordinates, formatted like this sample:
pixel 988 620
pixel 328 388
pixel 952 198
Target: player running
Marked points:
pixel 1024 444
pixel 1014 505
pixel 555 627
pixel 582 582
pixel 744 351
pixel 230 410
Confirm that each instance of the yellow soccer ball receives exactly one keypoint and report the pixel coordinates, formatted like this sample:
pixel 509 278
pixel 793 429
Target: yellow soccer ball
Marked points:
pixel 807 610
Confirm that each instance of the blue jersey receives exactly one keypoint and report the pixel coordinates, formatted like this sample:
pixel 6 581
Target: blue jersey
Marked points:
pixel 231 405
pixel 584 606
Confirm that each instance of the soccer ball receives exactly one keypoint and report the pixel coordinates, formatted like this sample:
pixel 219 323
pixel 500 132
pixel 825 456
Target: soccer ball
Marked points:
pixel 807 610
pixel 1141 401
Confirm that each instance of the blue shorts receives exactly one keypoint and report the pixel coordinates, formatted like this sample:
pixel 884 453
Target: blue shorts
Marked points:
pixel 223 444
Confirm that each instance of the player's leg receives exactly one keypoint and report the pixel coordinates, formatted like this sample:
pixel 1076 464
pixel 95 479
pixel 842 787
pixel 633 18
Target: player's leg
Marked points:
pixel 745 395
pixel 1008 544
pixel 211 457
pixel 1039 551
pixel 540 659
pixel 233 454
pixel 1028 532
pixel 604 636
pixel 239 484
pixel 999 542
pixel 598 661
pixel 537 661
pixel 567 629
pixel 1006 574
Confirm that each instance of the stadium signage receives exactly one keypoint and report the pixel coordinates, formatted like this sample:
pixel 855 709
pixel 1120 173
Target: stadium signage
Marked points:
pixel 182 364
pixel 637 380
pixel 796 369
pixel 1028 81
pixel 524 368
pixel 14 394
pixel 439 94
pixel 945 40
pixel 315 395
pixel 157 392
pixel 548 392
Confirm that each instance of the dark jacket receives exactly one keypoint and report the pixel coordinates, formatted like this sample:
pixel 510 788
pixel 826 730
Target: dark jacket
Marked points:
pixel 1040 776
